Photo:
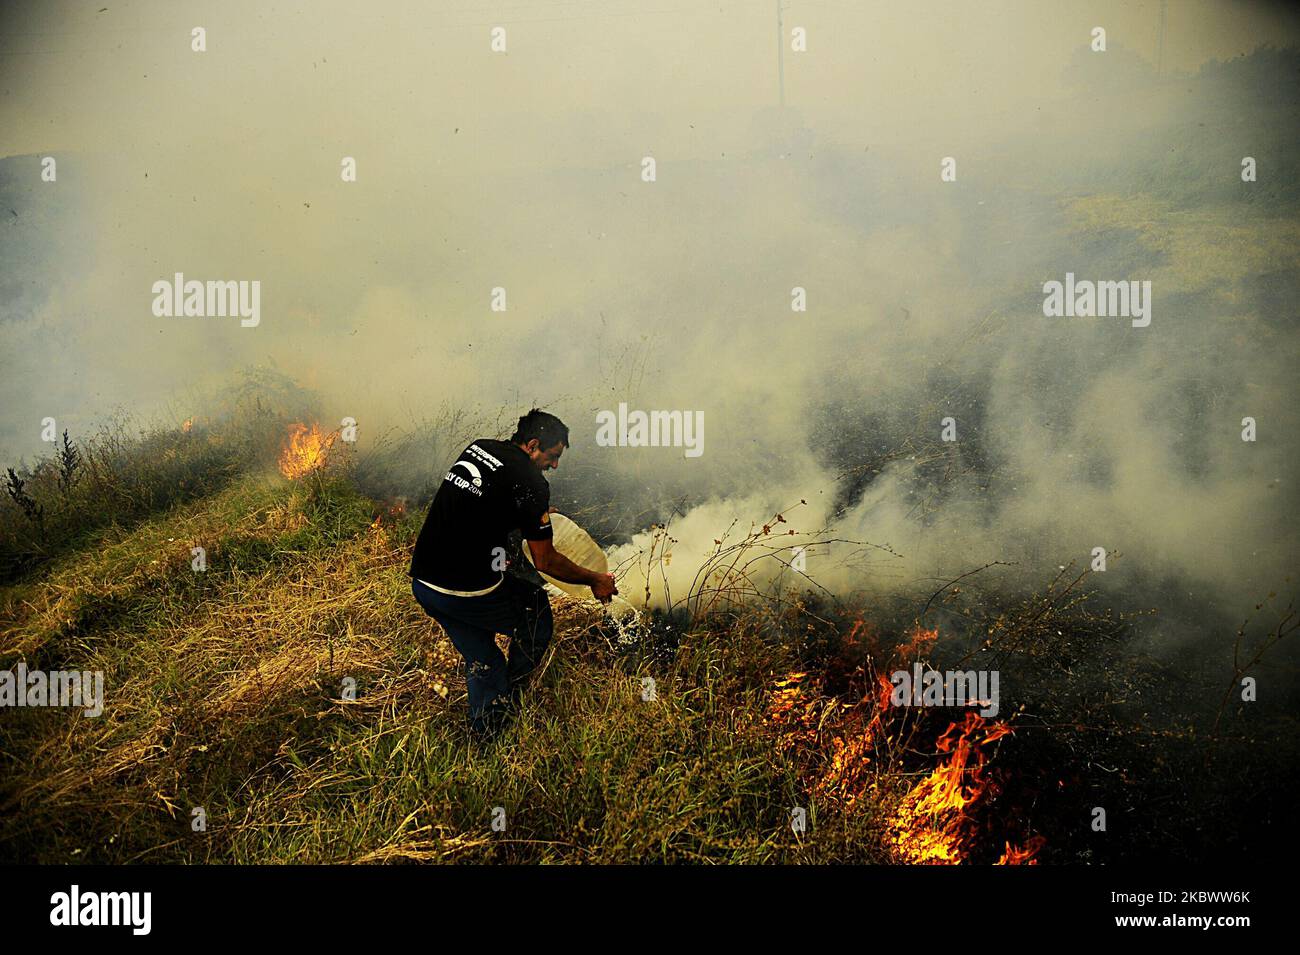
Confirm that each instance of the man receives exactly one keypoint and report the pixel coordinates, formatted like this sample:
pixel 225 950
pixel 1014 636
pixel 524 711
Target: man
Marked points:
pixel 458 567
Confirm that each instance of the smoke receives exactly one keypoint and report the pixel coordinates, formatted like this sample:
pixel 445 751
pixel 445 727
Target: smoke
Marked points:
pixel 478 170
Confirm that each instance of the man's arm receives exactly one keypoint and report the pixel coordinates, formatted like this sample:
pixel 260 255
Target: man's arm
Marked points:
pixel 551 562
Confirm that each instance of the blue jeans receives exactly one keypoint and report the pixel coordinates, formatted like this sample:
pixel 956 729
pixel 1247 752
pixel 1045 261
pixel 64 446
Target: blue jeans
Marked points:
pixel 517 609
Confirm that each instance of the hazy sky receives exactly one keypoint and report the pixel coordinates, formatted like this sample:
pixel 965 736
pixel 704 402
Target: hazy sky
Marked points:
pixel 390 75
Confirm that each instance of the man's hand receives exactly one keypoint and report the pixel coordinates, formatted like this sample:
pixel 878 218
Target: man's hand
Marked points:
pixel 604 589
pixel 551 562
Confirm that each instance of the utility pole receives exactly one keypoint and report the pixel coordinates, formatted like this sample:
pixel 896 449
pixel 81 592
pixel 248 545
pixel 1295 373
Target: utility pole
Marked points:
pixel 780 52
pixel 1160 41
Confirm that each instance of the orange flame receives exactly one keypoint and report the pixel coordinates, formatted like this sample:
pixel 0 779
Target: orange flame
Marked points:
pixel 189 423
pixel 848 750
pixel 389 514
pixel 921 643
pixel 1025 856
pixel 931 825
pixel 305 450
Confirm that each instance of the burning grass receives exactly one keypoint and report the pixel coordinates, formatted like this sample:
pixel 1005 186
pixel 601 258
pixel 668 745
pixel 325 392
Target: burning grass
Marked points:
pixel 306 449
pixel 127 471
pixel 867 750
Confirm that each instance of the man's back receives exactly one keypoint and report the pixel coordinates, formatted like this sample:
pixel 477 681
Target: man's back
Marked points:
pixel 490 490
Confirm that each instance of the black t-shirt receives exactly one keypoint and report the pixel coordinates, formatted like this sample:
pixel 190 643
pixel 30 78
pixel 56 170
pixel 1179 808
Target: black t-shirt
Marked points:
pixel 491 490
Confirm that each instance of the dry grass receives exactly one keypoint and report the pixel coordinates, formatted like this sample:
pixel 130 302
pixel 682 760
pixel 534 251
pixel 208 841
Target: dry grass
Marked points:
pixel 225 692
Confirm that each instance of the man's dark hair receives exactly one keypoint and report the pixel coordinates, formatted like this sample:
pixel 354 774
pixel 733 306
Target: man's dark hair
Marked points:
pixel 545 427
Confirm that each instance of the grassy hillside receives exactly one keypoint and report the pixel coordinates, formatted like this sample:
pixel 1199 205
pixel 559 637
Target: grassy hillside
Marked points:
pixel 225 691
pixel 228 698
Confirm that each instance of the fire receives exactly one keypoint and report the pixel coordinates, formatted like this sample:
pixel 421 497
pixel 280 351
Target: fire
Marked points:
pixel 390 514
pixel 188 424
pixel 921 643
pixel 1025 856
pixel 931 825
pixel 850 751
pixel 305 450
pixel 807 720
pixel 794 712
